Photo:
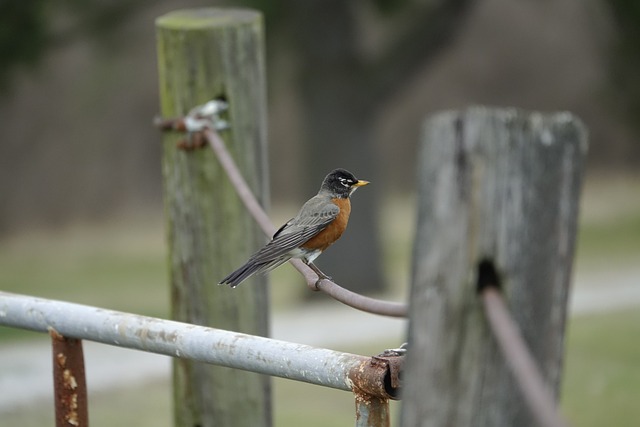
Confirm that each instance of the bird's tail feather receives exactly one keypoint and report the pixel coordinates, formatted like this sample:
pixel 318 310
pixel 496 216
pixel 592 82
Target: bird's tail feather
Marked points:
pixel 251 268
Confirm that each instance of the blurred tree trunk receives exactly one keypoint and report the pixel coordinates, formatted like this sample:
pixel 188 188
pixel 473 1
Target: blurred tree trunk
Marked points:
pixel 338 132
pixel 342 94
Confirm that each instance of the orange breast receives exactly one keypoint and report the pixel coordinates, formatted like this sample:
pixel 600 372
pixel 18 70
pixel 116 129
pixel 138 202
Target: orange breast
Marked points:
pixel 329 235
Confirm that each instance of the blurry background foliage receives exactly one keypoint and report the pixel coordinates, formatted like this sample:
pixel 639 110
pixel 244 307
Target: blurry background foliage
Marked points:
pixel 349 84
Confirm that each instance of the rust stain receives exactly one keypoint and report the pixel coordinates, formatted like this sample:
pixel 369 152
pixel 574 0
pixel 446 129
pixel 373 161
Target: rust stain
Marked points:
pixel 69 381
pixel 379 376
pixel 71 417
pixel 372 411
pixel 61 359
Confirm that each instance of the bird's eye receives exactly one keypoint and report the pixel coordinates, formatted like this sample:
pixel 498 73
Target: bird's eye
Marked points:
pixel 345 181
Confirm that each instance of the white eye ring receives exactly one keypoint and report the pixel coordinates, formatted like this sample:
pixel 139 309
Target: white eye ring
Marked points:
pixel 345 182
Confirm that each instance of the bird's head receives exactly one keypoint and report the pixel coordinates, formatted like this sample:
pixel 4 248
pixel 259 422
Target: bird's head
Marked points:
pixel 342 183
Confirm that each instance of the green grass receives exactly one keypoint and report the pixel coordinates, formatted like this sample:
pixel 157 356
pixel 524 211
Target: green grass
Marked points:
pixel 615 242
pixel 121 266
pixel 147 405
pixel 601 387
pixel 609 228
pixel 602 370
pixel 115 266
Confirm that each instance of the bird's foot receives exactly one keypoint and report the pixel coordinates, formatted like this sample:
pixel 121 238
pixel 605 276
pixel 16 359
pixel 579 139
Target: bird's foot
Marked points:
pixel 321 275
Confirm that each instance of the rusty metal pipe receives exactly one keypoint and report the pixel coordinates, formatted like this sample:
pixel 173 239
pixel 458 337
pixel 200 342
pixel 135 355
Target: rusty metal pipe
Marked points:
pixel 378 376
pixel 344 371
pixel 69 383
pixel 371 411
pixel 376 381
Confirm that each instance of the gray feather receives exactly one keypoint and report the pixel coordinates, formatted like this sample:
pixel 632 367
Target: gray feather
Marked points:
pixel 314 216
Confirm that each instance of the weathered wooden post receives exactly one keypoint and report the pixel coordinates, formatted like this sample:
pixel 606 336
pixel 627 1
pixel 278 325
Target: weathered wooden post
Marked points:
pixel 499 187
pixel 206 54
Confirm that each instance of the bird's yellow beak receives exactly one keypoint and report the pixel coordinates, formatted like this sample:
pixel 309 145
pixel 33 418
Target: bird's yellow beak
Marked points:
pixel 361 183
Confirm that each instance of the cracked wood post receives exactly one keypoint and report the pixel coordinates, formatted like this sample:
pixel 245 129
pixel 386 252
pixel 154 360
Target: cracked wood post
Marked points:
pixel 205 54
pixel 500 186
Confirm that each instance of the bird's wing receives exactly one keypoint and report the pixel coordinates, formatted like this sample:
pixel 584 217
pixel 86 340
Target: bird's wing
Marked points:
pixel 314 217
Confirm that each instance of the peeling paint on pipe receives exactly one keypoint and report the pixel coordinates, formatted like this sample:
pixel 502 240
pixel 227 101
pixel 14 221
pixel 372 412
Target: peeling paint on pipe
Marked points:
pixel 343 371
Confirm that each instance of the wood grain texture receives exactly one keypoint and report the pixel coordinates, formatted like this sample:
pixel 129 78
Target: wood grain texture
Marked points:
pixel 500 185
pixel 204 54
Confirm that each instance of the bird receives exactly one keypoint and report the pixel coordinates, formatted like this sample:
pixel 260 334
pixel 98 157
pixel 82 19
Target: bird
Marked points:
pixel 319 223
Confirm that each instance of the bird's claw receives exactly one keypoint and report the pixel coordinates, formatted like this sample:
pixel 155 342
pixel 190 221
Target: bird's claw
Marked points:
pixel 321 277
pixel 319 273
pixel 324 277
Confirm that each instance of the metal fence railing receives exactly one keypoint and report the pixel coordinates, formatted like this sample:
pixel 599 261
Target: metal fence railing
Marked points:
pixel 377 377
pixel 373 380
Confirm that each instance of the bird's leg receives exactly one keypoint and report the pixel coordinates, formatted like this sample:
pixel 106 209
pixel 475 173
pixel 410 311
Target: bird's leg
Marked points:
pixel 320 274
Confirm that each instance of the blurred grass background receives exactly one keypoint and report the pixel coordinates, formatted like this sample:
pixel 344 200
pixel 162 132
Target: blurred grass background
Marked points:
pixel 80 160
pixel 121 265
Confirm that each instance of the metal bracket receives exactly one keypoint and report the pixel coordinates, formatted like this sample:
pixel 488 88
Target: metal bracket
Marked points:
pixel 206 116
pixel 400 351
pixel 197 120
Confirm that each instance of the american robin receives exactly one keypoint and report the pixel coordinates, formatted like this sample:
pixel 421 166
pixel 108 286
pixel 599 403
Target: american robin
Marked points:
pixel 320 222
